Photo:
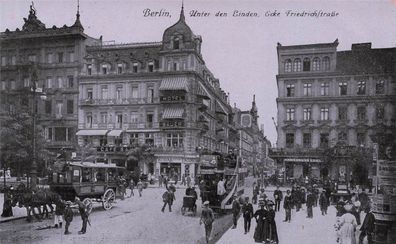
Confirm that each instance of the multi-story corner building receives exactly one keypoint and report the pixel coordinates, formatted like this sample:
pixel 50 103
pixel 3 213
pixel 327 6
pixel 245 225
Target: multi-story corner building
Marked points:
pixel 327 97
pixel 159 94
pixel 55 54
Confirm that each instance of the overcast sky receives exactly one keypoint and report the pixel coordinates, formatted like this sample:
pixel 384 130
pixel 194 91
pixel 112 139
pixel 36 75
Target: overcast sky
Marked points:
pixel 240 51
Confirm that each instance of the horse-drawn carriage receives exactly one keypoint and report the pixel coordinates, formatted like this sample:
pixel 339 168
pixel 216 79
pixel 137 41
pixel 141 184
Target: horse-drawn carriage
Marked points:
pixel 91 182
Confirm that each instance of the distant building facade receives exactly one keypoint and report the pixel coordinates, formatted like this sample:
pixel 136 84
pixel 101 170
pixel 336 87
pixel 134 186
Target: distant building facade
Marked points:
pixel 327 98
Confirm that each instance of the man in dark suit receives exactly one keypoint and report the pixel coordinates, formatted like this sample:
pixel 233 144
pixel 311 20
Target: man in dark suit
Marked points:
pixel 236 208
pixel 288 205
pixel 367 228
pixel 247 211
pixel 278 196
pixel 310 203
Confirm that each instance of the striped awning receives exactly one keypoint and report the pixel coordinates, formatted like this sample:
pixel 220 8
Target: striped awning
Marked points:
pixel 114 133
pixel 91 132
pixel 174 84
pixel 173 113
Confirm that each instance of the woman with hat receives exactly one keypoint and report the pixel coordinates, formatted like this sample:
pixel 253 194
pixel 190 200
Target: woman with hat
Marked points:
pixel 271 233
pixel 260 215
pixel 348 225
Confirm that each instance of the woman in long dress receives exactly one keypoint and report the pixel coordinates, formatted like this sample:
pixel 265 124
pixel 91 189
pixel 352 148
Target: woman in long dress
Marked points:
pixel 348 226
pixel 260 216
pixel 270 224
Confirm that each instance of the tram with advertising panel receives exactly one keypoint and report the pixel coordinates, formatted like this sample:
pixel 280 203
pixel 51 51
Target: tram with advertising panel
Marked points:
pixel 212 169
pixel 91 182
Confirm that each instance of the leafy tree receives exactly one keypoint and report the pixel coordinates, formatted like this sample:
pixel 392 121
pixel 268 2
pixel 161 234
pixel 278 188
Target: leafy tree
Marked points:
pixel 137 156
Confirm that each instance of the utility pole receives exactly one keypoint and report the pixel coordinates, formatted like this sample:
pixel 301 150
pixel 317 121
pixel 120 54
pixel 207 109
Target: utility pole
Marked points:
pixel 33 169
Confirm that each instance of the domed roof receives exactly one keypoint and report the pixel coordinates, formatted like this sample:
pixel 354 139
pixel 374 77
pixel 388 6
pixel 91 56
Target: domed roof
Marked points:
pixel 180 27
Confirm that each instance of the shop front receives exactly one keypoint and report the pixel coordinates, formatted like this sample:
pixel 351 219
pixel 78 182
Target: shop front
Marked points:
pixel 176 165
pixel 302 167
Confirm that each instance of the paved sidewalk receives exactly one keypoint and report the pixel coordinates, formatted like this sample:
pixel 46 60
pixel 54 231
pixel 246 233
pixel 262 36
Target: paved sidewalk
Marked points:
pixel 18 212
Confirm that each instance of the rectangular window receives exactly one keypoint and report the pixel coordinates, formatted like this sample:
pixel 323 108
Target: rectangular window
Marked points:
pixel 289 140
pixel 307 113
pixel 13 85
pixel 324 113
pixel 307 140
pixel 60 57
pixel 50 133
pixel 361 87
pixel 342 88
pixel 3 85
pixel 89 93
pixel 290 90
pixel 3 60
pixel 150 94
pixel 290 114
pixel 342 113
pixel 361 113
pixel 151 67
pixel 70 81
pixel 119 120
pixel 133 138
pixel 89 69
pixel 88 121
pixel 135 68
pixel 342 136
pixel 13 59
pixel 149 138
pixel 134 117
pixel 59 108
pixel 60 133
pixel 149 120
pixel 49 58
pixel 104 69
pixel 360 139
pixel 32 58
pixel 324 89
pixel 119 68
pixel 49 82
pixel 307 89
pixel 70 106
pixel 119 93
pixel 174 140
pixel 26 82
pixel 380 87
pixel 71 57
pixel 48 107
pixel 104 92
pixel 324 140
pixel 60 82
pixel 135 92
pixel 380 112
pixel 175 66
pixel 103 118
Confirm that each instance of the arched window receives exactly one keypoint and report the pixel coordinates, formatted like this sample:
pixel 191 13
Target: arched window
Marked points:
pixel 288 65
pixel 316 64
pixel 326 63
pixel 297 65
pixel 306 64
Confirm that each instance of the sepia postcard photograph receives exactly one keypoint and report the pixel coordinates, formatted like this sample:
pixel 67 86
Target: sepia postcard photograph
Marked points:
pixel 198 121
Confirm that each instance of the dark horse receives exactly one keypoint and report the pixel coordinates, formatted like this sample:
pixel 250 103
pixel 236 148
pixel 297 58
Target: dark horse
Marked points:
pixel 35 199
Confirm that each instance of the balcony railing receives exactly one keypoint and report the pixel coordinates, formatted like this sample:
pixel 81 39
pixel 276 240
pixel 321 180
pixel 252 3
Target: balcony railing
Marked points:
pixel 172 124
pixel 172 99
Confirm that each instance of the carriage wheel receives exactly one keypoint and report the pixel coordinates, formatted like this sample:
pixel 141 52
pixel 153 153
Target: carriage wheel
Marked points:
pixel 88 203
pixel 183 210
pixel 108 199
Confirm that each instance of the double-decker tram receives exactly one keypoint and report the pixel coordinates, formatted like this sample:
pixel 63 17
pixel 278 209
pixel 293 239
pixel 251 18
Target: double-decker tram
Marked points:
pixel 221 178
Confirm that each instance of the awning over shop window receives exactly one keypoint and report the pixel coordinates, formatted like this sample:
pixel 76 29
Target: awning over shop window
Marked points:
pixel 91 132
pixel 114 133
pixel 201 92
pixel 174 84
pixel 173 113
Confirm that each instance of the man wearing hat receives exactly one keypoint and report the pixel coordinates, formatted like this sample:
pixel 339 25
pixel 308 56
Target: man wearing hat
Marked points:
pixel 247 210
pixel 68 215
pixel 84 215
pixel 310 203
pixel 367 228
pixel 236 209
pixel 207 218
pixel 287 205
pixel 323 202
pixel 278 198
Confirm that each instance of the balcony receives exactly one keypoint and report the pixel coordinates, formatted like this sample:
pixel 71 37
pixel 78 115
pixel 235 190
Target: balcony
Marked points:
pixel 284 152
pixel 170 150
pixel 172 99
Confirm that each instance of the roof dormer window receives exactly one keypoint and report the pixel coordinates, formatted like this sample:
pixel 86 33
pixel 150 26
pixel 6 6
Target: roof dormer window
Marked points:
pixel 176 43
